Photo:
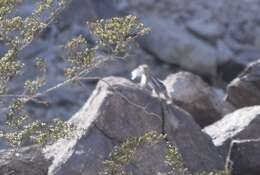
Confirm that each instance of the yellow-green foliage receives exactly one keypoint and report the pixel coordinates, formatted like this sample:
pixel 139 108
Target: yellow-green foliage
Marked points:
pixel 7 6
pixel 17 32
pixel 123 154
pixel 173 157
pixel 79 56
pixel 16 115
pixel 39 132
pixel 116 33
pixel 9 67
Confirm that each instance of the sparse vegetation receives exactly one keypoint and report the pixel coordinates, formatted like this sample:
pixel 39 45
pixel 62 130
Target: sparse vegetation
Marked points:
pixel 123 154
pixel 173 157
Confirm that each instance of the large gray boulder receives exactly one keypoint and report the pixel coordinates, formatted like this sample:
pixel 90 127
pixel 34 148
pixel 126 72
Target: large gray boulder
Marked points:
pixel 191 93
pixel 117 110
pixel 174 38
pixel 245 89
pixel 171 43
pixel 244 125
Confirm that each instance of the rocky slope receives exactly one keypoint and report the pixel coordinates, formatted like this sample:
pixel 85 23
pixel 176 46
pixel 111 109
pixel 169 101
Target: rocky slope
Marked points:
pixel 118 110
pixel 199 48
pixel 115 112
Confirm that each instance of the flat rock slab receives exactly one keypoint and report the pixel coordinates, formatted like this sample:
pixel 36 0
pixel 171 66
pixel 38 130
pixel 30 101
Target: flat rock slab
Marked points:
pixel 244 125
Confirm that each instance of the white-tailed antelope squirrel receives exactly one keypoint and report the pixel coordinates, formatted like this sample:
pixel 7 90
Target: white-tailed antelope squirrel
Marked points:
pixel 149 80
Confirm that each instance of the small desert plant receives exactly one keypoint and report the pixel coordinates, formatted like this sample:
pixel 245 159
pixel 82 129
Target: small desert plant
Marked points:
pixel 122 155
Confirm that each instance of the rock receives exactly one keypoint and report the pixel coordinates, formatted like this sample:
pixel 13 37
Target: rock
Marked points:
pixel 172 44
pixel 229 71
pixel 80 11
pixel 248 56
pixel 242 124
pixel 236 46
pixel 29 161
pixel 123 67
pixel 225 54
pixel 155 154
pixel 245 89
pixel 236 64
pixel 207 30
pixel 249 163
pixel 113 113
pixel 191 93
pixel 257 38
pixel 186 134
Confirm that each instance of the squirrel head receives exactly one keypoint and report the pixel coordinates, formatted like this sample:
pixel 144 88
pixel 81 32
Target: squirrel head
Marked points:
pixel 139 71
